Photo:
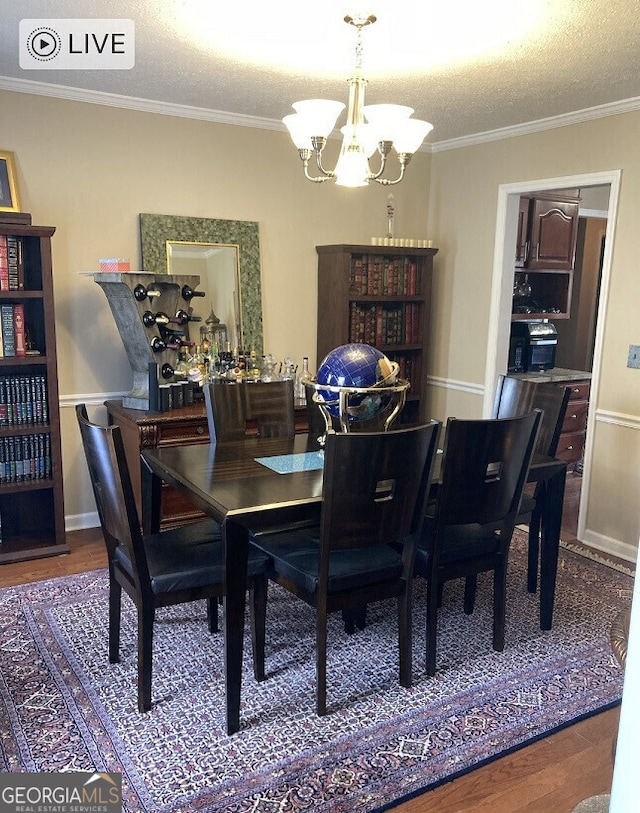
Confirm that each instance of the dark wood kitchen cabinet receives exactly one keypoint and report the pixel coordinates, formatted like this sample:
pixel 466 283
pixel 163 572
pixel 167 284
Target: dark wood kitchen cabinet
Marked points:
pixel 545 252
pixel 522 240
pixel 574 428
pixel 553 231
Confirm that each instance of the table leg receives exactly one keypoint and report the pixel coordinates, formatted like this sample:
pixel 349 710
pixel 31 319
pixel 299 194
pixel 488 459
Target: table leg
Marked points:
pixel 236 542
pixel 550 543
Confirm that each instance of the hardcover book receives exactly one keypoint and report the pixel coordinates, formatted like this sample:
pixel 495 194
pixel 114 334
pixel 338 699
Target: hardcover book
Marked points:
pixel 18 329
pixel 7 329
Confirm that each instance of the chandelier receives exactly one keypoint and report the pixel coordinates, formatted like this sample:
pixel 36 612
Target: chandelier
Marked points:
pixel 369 128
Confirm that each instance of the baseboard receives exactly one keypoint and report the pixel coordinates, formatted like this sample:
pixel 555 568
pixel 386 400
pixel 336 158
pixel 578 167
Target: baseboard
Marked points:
pixel 79 522
pixel 613 547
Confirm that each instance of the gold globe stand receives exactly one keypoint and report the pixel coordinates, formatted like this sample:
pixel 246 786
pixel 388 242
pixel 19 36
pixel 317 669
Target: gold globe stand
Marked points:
pixel 350 414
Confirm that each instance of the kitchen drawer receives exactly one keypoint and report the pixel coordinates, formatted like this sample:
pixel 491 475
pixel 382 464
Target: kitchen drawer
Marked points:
pixel 570 446
pixel 579 390
pixel 575 419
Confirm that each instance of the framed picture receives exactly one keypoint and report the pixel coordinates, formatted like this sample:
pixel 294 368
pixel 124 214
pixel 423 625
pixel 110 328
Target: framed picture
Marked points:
pixel 8 189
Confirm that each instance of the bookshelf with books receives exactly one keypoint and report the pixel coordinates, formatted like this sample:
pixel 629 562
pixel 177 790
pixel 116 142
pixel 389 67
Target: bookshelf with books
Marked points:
pixel 31 493
pixel 379 295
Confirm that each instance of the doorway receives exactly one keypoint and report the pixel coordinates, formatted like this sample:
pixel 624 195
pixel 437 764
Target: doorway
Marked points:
pixel 502 290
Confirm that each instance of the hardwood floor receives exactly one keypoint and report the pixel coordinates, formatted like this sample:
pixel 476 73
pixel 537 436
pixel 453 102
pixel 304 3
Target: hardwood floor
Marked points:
pixel 550 776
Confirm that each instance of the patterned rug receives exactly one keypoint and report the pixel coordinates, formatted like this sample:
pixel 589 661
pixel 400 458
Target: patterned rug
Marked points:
pixel 65 708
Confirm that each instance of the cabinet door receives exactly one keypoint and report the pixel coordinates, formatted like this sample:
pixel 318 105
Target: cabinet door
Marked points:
pixel 554 230
pixel 523 233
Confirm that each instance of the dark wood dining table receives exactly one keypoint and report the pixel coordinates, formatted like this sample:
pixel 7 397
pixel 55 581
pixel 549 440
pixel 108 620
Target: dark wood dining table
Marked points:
pixel 226 482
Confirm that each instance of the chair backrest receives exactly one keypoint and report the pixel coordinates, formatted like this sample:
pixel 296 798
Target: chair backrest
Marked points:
pixel 484 469
pixel 515 397
pixel 375 486
pixel 113 492
pixel 237 411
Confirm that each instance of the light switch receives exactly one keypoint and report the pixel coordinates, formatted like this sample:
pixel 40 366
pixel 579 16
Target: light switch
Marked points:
pixel 633 359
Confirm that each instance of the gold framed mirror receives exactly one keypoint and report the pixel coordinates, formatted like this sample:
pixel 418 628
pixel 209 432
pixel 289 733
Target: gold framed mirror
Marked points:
pixel 227 252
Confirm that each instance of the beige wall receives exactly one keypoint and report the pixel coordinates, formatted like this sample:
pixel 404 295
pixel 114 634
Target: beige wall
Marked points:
pixel 90 170
pixel 463 222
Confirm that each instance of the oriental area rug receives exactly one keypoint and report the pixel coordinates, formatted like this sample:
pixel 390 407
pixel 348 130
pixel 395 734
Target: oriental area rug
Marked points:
pixel 65 708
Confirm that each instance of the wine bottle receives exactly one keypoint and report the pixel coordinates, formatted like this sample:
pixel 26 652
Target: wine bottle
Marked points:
pixel 188 292
pixel 157 345
pixel 167 371
pixel 162 318
pixel 182 317
pixel 141 293
pixel 149 319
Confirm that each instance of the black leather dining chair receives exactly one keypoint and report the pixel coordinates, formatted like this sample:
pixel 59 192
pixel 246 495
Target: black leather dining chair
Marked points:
pixel 374 493
pixel 515 397
pixel 263 408
pixel 468 528
pixel 176 566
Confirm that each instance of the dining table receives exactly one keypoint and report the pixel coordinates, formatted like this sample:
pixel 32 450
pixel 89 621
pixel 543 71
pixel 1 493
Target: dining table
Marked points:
pixel 263 483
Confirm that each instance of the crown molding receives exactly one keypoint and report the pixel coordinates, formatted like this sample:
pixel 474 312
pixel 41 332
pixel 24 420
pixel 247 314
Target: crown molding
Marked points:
pixel 134 103
pixel 240 120
pixel 578 116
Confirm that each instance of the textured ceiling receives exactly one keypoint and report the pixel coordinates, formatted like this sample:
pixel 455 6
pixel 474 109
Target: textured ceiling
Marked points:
pixel 468 67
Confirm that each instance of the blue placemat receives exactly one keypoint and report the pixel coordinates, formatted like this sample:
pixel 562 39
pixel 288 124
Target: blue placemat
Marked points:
pixel 288 463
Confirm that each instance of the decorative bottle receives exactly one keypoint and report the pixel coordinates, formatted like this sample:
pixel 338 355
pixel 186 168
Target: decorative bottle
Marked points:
pixel 303 377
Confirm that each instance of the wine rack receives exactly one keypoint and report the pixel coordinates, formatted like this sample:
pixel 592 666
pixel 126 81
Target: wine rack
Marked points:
pixel 151 312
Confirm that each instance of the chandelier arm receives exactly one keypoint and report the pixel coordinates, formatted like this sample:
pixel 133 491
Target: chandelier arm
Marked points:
pixel 305 157
pixel 318 145
pixel 403 158
pixel 384 148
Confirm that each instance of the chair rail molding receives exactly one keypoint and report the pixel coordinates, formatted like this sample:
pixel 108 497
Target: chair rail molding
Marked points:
pixel 452 384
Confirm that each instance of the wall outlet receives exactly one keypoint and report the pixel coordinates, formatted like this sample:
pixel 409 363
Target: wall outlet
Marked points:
pixel 633 359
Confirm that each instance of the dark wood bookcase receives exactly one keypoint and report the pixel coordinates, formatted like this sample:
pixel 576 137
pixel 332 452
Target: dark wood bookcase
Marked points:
pixel 31 491
pixel 379 295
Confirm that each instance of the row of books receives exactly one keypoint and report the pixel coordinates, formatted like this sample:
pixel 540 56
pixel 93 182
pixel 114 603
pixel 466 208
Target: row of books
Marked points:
pixel 11 263
pixel 23 400
pixel 407 367
pixel 381 275
pixel 381 325
pixel 13 341
pixel 25 458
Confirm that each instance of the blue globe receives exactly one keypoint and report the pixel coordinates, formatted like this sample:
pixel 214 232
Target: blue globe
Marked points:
pixel 354 365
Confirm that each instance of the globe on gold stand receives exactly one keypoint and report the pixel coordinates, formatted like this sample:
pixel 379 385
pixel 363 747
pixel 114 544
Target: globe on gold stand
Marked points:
pixel 357 383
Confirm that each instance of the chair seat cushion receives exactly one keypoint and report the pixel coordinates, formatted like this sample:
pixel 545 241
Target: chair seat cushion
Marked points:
pixel 188 557
pixel 458 542
pixel 296 555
